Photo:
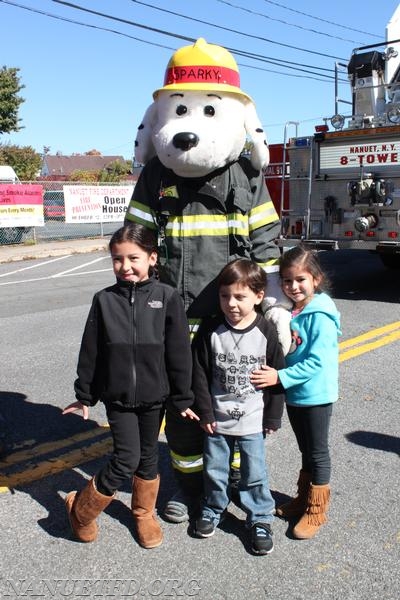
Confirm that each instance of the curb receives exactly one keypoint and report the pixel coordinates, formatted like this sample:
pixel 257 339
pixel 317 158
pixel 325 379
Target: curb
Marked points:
pixel 47 251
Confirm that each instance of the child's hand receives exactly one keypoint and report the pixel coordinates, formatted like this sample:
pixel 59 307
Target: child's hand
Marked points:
pixel 209 427
pixel 264 377
pixel 189 414
pixel 75 406
pixel 269 431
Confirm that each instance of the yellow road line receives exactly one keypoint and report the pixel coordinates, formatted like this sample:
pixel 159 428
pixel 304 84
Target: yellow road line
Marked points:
pixel 348 349
pixel 56 465
pixel 374 333
pixel 357 351
pixel 22 455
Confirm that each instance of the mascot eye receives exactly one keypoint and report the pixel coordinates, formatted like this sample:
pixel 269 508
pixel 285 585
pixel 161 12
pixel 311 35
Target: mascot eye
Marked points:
pixel 209 110
pixel 181 110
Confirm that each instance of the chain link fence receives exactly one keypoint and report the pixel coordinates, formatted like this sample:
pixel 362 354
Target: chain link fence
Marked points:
pixel 55 226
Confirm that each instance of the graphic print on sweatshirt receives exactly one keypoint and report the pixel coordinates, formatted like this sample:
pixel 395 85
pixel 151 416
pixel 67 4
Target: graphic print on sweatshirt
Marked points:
pixel 238 406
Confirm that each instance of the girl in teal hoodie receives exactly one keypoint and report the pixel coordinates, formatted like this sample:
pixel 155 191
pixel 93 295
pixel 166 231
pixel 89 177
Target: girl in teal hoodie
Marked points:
pixel 310 380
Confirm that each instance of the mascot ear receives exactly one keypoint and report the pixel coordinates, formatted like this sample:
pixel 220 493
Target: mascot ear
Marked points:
pixel 259 154
pixel 144 148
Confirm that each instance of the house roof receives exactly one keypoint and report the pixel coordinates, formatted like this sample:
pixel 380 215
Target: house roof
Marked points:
pixel 65 165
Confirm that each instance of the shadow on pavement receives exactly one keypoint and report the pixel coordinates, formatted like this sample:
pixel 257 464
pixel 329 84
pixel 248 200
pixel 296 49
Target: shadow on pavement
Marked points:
pixel 33 434
pixel 26 423
pixel 38 438
pixel 360 275
pixel 56 523
pixel 373 439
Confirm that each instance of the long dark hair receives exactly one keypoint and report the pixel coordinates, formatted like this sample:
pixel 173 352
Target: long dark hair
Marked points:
pixel 244 272
pixel 309 261
pixel 138 234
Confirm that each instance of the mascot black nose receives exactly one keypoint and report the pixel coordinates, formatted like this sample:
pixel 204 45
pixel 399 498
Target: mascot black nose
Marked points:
pixel 185 140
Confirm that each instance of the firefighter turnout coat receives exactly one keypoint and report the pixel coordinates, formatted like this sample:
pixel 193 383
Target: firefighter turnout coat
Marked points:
pixel 203 224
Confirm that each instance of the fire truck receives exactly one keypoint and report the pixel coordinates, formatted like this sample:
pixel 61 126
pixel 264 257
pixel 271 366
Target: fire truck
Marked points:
pixel 340 187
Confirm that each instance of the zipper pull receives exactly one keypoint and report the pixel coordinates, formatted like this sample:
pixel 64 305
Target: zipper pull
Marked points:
pixel 132 294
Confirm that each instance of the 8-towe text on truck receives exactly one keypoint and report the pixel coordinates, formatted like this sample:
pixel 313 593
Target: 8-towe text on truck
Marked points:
pixel 340 188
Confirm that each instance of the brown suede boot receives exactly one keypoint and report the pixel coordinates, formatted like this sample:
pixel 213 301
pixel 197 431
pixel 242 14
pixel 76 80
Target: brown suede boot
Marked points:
pixel 315 515
pixel 297 505
pixel 144 497
pixel 83 507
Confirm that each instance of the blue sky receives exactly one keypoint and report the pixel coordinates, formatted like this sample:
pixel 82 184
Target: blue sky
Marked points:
pixel 87 88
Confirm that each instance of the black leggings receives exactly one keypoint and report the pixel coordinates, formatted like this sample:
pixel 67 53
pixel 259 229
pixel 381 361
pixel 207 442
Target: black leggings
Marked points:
pixel 311 428
pixel 135 437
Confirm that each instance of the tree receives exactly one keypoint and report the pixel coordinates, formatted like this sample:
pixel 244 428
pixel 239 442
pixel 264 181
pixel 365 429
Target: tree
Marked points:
pixel 25 161
pixel 84 176
pixel 10 102
pixel 115 171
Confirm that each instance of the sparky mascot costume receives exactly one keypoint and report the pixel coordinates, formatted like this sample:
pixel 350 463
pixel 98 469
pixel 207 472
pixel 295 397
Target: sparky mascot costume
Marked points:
pixel 207 203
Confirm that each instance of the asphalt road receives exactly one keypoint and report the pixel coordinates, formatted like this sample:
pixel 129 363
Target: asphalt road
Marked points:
pixel 43 307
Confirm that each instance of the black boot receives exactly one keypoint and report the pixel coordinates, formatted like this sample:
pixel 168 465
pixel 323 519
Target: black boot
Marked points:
pixel 185 503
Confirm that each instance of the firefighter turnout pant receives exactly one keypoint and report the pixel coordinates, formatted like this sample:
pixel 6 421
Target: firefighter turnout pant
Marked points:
pixel 185 440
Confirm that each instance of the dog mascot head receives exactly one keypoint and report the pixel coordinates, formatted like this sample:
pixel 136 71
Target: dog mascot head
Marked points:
pixel 200 118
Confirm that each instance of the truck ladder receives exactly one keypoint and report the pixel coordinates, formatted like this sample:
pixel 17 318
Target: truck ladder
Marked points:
pixel 308 178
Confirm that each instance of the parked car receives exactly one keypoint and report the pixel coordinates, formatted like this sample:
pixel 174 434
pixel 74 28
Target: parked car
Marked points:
pixel 53 204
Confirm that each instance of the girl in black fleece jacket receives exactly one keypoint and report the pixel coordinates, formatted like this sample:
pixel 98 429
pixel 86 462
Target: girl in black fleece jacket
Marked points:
pixel 135 355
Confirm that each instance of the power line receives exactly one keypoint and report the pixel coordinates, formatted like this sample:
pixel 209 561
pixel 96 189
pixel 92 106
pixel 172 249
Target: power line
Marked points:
pixel 59 18
pixel 253 12
pixel 320 19
pixel 247 35
pixel 326 80
pixel 312 120
pixel 290 65
pixel 125 21
pixel 278 62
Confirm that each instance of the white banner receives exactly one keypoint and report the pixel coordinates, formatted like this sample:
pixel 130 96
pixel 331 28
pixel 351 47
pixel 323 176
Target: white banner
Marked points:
pixel 96 203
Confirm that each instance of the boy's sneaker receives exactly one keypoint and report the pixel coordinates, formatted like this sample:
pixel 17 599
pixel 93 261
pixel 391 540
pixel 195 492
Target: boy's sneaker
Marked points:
pixel 261 538
pixel 204 527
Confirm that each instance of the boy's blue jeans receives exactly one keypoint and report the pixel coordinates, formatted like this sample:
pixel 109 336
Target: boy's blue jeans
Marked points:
pixel 255 496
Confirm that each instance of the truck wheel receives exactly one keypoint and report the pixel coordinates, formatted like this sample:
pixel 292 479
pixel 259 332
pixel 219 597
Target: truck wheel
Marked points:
pixel 391 261
pixel 11 235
